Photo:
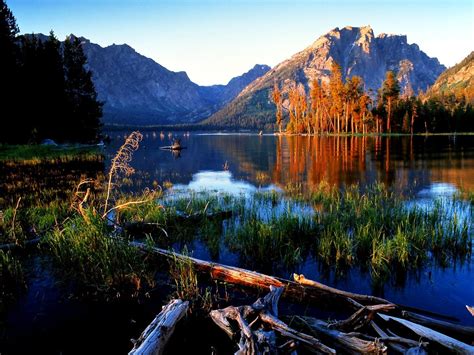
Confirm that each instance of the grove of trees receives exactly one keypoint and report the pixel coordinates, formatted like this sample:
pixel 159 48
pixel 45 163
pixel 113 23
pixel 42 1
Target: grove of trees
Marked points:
pixel 45 89
pixel 345 107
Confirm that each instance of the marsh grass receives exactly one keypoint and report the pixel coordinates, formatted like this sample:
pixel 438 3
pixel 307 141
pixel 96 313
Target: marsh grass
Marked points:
pixel 19 224
pixel 187 285
pixel 36 154
pixel 86 253
pixel 370 228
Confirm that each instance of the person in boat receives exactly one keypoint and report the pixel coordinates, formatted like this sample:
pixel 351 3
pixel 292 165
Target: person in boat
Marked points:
pixel 176 143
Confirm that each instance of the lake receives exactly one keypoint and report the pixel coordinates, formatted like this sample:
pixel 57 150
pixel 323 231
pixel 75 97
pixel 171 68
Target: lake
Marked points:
pixel 422 168
pixel 432 164
pixel 425 168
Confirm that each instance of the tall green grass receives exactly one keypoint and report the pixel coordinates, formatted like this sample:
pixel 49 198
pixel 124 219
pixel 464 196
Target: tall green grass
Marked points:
pixel 371 227
pixel 91 256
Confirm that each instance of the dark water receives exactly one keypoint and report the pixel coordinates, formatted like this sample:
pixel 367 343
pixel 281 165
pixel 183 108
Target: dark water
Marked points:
pixel 46 320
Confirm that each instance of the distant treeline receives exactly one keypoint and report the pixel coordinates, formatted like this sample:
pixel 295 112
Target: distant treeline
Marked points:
pixel 344 107
pixel 45 89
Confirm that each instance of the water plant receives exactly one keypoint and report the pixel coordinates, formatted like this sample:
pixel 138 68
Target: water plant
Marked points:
pixel 187 286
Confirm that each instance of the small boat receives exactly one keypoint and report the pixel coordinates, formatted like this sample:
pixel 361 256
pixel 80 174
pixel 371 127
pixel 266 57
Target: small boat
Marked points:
pixel 260 133
pixel 175 146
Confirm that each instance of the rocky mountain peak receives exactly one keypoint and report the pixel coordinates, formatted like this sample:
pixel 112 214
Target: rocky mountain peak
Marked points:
pixel 356 49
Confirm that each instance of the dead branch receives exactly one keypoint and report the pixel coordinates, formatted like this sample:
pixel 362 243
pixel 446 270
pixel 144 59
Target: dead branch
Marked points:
pixel 154 338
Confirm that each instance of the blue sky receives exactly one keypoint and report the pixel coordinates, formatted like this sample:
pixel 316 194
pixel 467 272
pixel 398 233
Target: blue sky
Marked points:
pixel 215 40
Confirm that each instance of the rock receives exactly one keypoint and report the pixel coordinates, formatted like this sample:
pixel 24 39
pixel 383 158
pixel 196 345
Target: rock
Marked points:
pixel 49 142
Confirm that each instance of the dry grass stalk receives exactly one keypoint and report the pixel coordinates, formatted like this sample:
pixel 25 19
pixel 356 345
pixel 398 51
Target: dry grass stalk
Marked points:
pixel 121 164
pixel 14 219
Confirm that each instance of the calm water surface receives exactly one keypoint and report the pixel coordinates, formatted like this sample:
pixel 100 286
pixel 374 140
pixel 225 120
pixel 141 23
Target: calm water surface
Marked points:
pixel 435 163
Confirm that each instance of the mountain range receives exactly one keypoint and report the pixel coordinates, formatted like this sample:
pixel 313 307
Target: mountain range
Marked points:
pixel 356 49
pixel 138 90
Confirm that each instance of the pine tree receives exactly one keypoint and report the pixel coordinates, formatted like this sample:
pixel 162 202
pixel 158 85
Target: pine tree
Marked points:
pixel 32 81
pixel 8 70
pixel 85 109
pixel 54 125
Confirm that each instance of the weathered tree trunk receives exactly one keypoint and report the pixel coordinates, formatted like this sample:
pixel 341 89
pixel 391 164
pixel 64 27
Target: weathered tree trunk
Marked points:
pixel 430 334
pixel 238 276
pixel 464 332
pixel 347 342
pixel 154 338
pixel 324 288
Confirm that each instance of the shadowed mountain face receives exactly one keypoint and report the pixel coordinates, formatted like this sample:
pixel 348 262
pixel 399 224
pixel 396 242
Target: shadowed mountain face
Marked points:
pixel 356 49
pixel 137 90
pixel 458 80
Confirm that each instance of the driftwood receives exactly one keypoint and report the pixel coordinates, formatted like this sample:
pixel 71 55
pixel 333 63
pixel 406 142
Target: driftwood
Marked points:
pixel 324 288
pixel 310 291
pixel 394 346
pixel 263 314
pixel 432 335
pixel 154 338
pixel 345 341
pixel 360 318
pixel 455 330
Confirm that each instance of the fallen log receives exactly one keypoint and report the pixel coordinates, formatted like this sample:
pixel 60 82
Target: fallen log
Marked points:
pixel 465 332
pixel 396 347
pixel 348 343
pixel 285 330
pixel 263 341
pixel 303 290
pixel 355 296
pixel 360 318
pixel 430 334
pixel 154 338
pixel 243 277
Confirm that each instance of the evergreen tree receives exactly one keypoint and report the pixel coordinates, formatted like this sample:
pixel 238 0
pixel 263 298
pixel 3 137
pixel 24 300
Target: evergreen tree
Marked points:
pixel 54 124
pixel 8 69
pixel 31 79
pixel 85 109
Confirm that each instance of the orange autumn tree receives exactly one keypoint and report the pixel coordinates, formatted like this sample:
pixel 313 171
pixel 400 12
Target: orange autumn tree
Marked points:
pixel 336 92
pixel 277 99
